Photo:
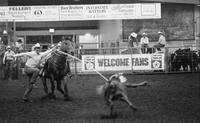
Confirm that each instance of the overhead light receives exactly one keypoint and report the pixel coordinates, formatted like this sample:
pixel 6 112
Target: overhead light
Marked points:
pixel 51 30
pixel 5 32
pixel 198 5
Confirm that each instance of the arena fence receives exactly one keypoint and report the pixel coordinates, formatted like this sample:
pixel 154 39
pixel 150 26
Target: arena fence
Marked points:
pixel 176 59
pixel 128 60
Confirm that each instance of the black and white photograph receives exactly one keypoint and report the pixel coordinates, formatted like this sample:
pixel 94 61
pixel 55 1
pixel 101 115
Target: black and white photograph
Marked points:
pixel 99 61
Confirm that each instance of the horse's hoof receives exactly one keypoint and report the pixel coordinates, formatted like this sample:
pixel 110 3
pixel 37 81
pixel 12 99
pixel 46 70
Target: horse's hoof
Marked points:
pixel 68 99
pixel 45 97
pixel 114 115
pixel 51 96
pixel 25 100
pixel 70 75
pixel 134 109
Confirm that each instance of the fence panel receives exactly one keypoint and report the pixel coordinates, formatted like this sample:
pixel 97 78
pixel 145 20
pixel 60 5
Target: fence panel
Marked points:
pixel 176 59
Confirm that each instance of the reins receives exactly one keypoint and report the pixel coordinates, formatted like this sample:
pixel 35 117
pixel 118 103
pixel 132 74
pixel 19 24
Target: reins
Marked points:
pixel 56 54
pixel 81 61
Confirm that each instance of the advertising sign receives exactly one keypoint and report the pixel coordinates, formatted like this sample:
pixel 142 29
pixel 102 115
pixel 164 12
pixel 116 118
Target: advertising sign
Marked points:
pixel 71 12
pixel 19 13
pixel 3 13
pixel 157 61
pixel 81 12
pixel 141 61
pixel 44 13
pixel 123 62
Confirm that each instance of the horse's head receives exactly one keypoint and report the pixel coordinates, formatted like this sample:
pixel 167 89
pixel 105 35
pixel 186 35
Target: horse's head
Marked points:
pixel 66 46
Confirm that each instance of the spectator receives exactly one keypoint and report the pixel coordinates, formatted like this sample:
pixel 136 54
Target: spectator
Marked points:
pixel 19 45
pixel 131 39
pixel 161 41
pixel 8 61
pixel 144 41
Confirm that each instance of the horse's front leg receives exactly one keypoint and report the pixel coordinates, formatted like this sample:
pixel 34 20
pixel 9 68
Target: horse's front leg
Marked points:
pixel 45 87
pixel 52 95
pixel 59 88
pixel 66 93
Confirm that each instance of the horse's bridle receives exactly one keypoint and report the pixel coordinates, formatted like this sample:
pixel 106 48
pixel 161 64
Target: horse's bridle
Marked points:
pixel 57 54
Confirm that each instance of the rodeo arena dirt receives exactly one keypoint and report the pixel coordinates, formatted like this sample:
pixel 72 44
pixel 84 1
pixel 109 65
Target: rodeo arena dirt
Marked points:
pixel 155 96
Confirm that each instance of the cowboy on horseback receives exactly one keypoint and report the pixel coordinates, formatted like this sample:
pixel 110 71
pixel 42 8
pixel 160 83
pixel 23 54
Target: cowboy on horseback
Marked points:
pixel 32 67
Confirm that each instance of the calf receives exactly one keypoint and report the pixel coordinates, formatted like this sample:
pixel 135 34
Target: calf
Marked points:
pixel 115 90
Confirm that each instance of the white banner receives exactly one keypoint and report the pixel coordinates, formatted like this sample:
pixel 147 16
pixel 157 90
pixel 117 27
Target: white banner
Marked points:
pixel 19 13
pixel 81 12
pixel 141 61
pixel 123 62
pixel 71 12
pixel 3 13
pixel 42 13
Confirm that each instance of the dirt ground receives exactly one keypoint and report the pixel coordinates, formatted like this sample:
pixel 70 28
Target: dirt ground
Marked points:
pixel 170 98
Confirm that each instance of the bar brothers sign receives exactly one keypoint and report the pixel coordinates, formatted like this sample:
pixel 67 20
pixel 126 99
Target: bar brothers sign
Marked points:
pixel 123 62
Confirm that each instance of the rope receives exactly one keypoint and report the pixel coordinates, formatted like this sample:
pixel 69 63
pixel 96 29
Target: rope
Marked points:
pixel 81 61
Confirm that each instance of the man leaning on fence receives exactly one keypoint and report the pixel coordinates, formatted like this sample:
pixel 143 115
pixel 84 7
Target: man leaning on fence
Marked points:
pixel 8 61
pixel 161 41
pixel 131 39
pixel 32 67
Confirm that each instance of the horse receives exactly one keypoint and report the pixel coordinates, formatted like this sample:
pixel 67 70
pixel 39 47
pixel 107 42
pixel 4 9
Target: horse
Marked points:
pixel 56 69
pixel 115 90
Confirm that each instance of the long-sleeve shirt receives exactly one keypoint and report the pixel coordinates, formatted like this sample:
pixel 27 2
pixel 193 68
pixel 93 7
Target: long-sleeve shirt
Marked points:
pixel 9 55
pixel 34 57
pixel 144 40
pixel 162 40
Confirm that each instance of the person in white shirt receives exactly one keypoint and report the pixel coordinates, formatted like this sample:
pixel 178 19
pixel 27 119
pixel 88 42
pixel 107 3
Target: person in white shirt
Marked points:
pixel 32 67
pixel 144 42
pixel 161 41
pixel 8 61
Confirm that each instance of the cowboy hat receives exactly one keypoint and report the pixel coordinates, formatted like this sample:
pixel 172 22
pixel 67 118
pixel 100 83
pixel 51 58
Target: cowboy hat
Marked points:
pixel 8 47
pixel 144 34
pixel 37 45
pixel 133 34
pixel 52 45
pixel 59 44
pixel 160 33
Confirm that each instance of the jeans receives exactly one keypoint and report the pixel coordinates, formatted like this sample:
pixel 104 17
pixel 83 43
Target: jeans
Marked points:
pixel 33 72
pixel 158 46
pixel 8 69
